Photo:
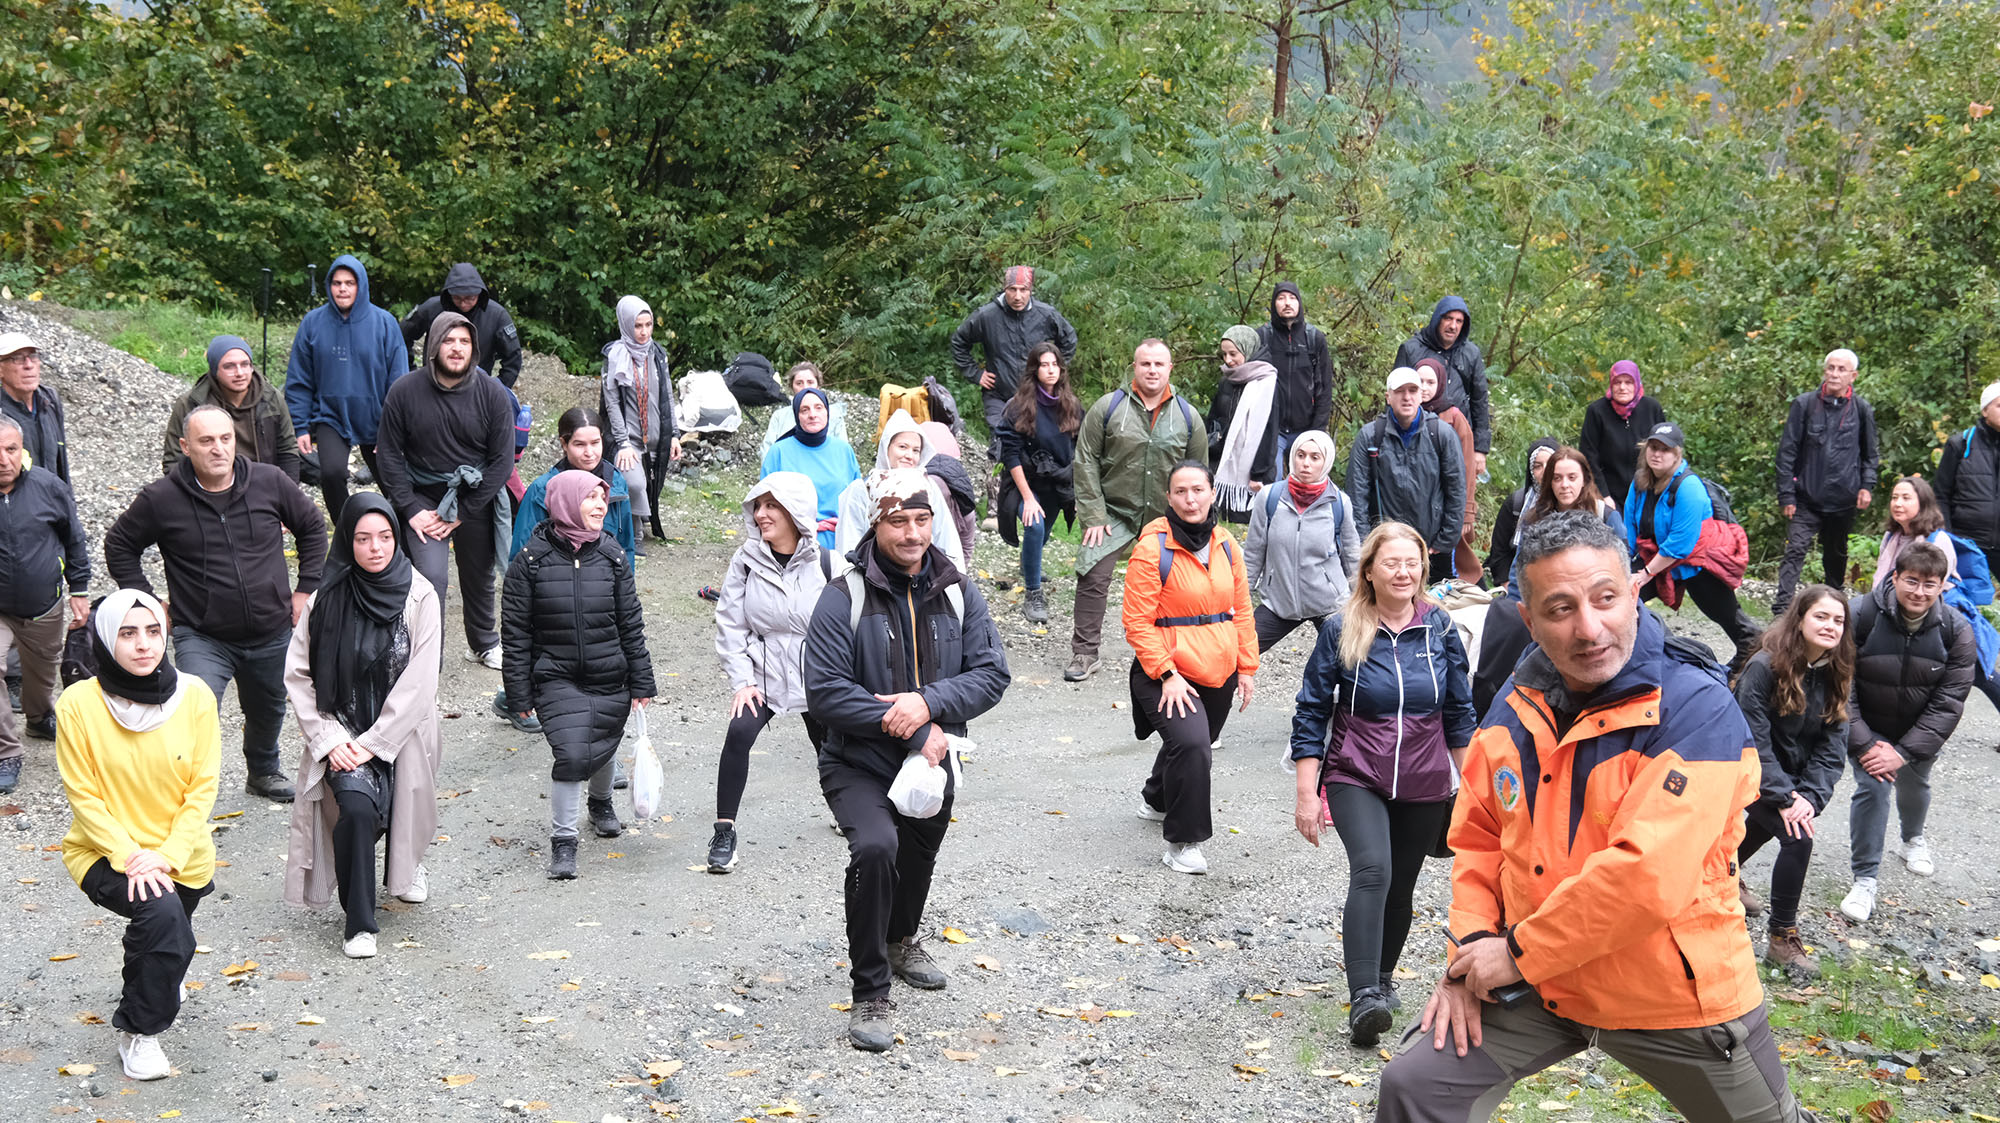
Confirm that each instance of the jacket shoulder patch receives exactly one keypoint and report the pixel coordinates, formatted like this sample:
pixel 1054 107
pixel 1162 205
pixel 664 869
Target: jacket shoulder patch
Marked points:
pixel 1677 781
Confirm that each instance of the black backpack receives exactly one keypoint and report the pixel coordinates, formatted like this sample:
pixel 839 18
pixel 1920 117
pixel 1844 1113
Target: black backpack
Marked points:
pixel 752 381
pixel 1718 498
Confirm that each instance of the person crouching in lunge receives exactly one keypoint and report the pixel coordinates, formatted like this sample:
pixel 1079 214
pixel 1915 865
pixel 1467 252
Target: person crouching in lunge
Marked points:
pixel 891 674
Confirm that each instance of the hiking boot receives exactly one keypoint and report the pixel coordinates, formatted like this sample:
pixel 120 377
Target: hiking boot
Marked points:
pixel 10 774
pixel 1917 856
pixel 603 819
pixel 1788 951
pixel 1368 1017
pixel 1753 905
pixel 1184 858
pixel 143 1057
pixel 1860 900
pixel 274 787
pixel 529 724
pixel 1389 992
pixel 722 848
pixel 41 728
pixel 562 859
pixel 1082 667
pixel 868 1025
pixel 1036 606
pixel 914 965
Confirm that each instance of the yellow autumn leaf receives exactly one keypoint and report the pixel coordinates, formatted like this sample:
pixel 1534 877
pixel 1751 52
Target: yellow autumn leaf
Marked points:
pixel 986 962
pixel 541 1021
pixel 243 968
pixel 1352 1080
pixel 548 955
pixel 1127 938
pixel 64 957
pixel 312 1020
pixel 76 1070
pixel 954 936
pixel 1251 1069
pixel 174 1114
pixel 660 1070
pixel 1913 1073
pixel 458 1080
pixel 1326 1072
pixel 1121 1013
pixel 1990 981
pixel 961 1055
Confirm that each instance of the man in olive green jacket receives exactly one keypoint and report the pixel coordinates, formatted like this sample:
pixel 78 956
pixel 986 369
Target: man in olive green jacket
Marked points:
pixel 1126 448
pixel 263 424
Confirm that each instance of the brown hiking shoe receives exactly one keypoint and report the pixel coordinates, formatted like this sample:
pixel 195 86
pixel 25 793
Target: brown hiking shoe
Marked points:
pixel 1753 905
pixel 910 960
pixel 1788 951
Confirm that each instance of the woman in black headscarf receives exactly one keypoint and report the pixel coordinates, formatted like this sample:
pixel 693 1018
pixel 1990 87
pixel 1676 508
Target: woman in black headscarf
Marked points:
pixel 362 676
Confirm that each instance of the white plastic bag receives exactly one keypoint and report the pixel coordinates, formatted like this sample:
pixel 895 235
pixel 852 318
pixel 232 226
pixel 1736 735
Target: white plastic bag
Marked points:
pixel 706 405
pixel 647 778
pixel 918 790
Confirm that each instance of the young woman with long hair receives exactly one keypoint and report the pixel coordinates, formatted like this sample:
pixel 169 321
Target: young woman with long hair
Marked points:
pixel 1914 516
pixel 1037 447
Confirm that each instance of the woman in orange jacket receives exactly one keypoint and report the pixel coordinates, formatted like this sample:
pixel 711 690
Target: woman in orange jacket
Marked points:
pixel 1187 617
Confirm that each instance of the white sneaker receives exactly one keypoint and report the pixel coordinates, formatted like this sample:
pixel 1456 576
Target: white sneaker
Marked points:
pixel 1860 900
pixel 142 1056
pixel 1184 859
pixel 1917 856
pixel 419 890
pixel 1146 811
pixel 184 994
pixel 360 946
pixel 490 657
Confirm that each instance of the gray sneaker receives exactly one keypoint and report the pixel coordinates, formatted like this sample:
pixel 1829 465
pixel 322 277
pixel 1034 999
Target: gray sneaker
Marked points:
pixel 1036 606
pixel 868 1025
pixel 909 960
pixel 10 773
pixel 273 787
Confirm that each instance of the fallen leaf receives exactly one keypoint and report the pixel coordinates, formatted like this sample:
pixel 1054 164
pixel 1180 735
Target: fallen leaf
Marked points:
pixel 1059 1011
pixel 202 949
pixel 174 1114
pixel 194 984
pixel 993 1017
pixel 954 936
pixel 1976 110
pixel 616 854
pixel 408 944
pixel 1324 1072
pixel 986 961
pixel 571 986
pixel 1913 1074
pixel 243 968
pixel 1258 1046
pixel 27 881
pixel 540 1021
pixel 960 1055
pixel 660 1070
pixel 699 868
pixel 1121 1013
pixel 76 1070
pixel 248 1027
pixel 841 1006
pixel 740 1073
pixel 1990 981
pixel 548 955
pixel 224 815
pixel 459 1080
pixel 1127 938
pixel 1351 1080
pixel 1878 1111
pixel 1552 1105
pixel 63 957
pixel 1003 1070
pixel 89 1019
pixel 312 1020
pixel 1251 1069
pixel 1055 812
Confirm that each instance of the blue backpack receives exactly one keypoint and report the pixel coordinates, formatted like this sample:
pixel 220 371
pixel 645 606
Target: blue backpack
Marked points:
pixel 1271 506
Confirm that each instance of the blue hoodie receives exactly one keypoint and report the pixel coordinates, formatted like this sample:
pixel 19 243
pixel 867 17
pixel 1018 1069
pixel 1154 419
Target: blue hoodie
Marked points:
pixel 342 363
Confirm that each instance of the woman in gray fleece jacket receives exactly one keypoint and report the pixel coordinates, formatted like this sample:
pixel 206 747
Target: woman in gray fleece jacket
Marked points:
pixel 1303 545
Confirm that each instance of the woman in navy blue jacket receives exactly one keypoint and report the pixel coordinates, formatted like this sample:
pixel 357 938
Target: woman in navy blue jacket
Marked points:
pixel 1383 718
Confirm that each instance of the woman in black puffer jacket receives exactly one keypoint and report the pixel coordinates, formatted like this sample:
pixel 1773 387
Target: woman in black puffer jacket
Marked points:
pixel 574 650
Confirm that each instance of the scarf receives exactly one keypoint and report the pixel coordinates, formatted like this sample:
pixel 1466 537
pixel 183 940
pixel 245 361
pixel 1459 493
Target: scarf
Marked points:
pixel 630 308
pixel 566 494
pixel 1625 368
pixel 1195 537
pixel 1049 400
pixel 1247 428
pixel 1303 494
pixel 140 703
pixel 357 616
pixel 810 440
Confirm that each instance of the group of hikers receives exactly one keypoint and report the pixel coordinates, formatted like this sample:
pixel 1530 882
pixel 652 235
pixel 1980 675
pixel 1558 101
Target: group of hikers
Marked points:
pixel 1613 917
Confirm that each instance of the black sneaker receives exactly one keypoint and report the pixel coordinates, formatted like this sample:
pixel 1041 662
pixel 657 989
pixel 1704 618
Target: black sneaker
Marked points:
pixel 562 859
pixel 909 960
pixel 10 775
pixel 42 728
pixel 1368 1017
pixel 868 1025
pixel 722 848
pixel 1389 992
pixel 529 724
pixel 619 780
pixel 274 787
pixel 603 819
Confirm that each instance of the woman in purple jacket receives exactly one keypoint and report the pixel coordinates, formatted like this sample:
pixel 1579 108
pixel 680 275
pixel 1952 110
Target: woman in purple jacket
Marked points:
pixel 1383 718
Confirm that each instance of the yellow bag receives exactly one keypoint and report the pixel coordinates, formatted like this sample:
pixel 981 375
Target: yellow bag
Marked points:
pixel 914 399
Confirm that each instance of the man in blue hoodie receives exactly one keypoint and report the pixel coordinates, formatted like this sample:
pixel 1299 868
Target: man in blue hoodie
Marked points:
pixel 344 356
pixel 1448 339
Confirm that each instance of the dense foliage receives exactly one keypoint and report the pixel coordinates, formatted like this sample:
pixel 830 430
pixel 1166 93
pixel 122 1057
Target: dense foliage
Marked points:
pixel 1720 190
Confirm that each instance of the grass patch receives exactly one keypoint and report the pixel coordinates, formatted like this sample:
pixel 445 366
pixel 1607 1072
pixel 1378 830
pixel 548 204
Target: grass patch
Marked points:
pixel 174 337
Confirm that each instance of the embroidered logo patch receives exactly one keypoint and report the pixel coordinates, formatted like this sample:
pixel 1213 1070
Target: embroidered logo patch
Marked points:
pixel 1507 787
pixel 1676 782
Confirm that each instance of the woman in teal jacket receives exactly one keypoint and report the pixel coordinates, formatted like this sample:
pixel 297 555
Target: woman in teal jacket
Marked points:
pixel 1664 512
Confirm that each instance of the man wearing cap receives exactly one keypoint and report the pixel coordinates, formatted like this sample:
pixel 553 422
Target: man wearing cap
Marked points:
pixel 1405 466
pixel 1297 350
pixel 263 424
pixel 42 552
pixel 32 405
pixel 1005 328
pixel 1826 473
pixel 493 326
pixel 890 678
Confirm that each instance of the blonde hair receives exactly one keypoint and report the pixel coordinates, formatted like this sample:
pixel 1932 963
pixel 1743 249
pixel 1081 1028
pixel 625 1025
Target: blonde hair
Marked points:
pixel 1362 616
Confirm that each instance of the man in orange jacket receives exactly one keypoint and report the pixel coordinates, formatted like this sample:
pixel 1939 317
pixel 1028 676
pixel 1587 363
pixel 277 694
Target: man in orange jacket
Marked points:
pixel 1594 891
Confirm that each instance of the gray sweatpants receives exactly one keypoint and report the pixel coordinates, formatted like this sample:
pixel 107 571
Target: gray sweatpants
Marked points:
pixel 1727 1073
pixel 566 799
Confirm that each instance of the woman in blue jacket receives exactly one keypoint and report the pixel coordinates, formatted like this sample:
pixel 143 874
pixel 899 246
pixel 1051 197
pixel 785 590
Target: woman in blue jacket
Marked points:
pixel 829 464
pixel 1664 512
pixel 1383 718
pixel 344 355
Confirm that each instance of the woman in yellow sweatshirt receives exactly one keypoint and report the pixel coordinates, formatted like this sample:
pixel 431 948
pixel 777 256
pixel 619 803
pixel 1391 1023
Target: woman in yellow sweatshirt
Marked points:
pixel 138 747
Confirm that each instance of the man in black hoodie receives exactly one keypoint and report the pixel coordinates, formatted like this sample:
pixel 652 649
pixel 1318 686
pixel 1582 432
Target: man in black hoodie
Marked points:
pixel 1004 328
pixel 890 677
pixel 1448 339
pixel 492 325
pixel 446 447
pixel 220 521
pixel 1304 399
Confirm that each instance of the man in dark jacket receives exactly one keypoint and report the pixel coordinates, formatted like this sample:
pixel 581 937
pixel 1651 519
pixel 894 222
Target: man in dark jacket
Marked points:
pixel 1405 466
pixel 220 523
pixel 1004 328
pixel 1297 350
pixel 1826 472
pixel 344 355
pixel 446 450
pixel 42 550
pixel 1913 663
pixel 1448 338
pixel 915 661
pixel 492 325
pixel 32 405
pixel 263 424
pixel 1968 479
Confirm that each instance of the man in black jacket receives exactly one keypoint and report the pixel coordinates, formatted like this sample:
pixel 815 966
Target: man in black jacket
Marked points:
pixel 493 326
pixel 1297 350
pixel 1405 466
pixel 1968 479
pixel 1448 338
pixel 446 447
pixel 42 550
pixel 32 405
pixel 220 521
pixel 1826 472
pixel 1004 328
pixel 1913 664
pixel 890 677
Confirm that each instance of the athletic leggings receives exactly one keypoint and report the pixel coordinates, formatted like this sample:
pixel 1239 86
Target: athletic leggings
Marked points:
pixel 332 450
pixel 1387 842
pixel 1788 877
pixel 733 771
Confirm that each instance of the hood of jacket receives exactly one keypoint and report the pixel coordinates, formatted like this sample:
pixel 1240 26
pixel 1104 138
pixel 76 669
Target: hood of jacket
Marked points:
pixel 353 265
pixel 459 278
pixel 794 492
pixel 1445 306
pixel 447 320
pixel 901 422
pixel 1281 287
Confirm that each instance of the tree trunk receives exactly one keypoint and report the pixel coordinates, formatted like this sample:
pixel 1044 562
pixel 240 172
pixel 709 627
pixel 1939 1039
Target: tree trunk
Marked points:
pixel 1282 77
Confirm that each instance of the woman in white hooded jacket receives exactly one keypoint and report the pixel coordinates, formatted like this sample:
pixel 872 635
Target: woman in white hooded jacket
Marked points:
pixel 903 445
pixel 767 600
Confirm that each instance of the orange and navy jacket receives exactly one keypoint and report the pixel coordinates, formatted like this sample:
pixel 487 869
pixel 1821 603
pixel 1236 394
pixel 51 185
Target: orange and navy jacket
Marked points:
pixel 1605 853
pixel 1200 623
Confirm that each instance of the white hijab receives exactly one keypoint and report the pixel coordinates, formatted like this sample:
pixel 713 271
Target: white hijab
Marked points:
pixel 135 716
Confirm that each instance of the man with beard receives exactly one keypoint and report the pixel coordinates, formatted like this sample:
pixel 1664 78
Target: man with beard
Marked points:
pixel 1004 328
pixel 344 356
pixel 446 450
pixel 493 330
pixel 1448 339
pixel 1305 368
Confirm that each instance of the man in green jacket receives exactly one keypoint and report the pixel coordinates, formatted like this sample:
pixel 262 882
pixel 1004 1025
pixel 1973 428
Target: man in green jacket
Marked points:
pixel 1126 448
pixel 263 424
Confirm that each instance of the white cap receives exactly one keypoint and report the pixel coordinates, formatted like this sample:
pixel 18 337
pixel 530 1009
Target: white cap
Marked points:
pixel 1987 395
pixel 13 341
pixel 1404 376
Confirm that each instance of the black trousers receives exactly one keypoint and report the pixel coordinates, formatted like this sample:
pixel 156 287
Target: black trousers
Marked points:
pixel 1717 601
pixel 333 451
pixel 733 771
pixel 1788 877
pixel 354 834
pixel 474 546
pixel 1272 627
pixel 1832 529
pixel 159 945
pixel 890 858
pixel 1444 566
pixel 1179 782
pixel 1387 842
